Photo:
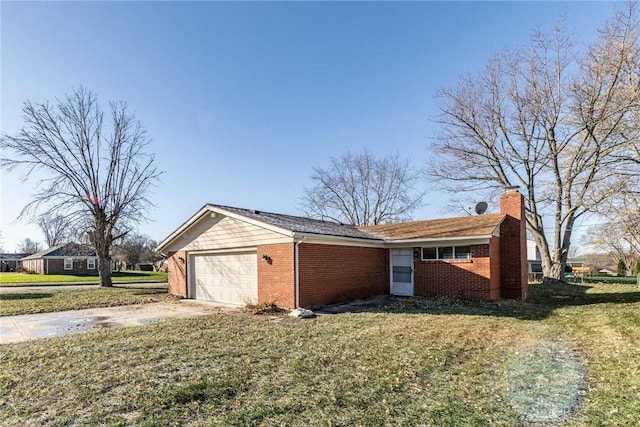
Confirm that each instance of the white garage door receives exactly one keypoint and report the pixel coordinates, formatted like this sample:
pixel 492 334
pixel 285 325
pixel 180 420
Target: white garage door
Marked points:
pixel 226 278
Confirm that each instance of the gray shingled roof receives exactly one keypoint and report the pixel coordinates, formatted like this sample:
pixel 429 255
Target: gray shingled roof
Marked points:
pixel 300 224
pixel 11 257
pixel 68 250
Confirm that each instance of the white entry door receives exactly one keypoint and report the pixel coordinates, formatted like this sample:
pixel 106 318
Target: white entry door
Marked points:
pixel 401 272
pixel 226 278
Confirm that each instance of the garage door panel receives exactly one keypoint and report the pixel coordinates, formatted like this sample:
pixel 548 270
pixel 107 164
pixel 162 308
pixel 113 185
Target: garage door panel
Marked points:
pixel 226 278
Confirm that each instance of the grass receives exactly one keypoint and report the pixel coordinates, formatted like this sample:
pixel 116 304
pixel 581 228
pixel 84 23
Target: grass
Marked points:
pixel 22 279
pixel 75 299
pixel 616 280
pixel 568 357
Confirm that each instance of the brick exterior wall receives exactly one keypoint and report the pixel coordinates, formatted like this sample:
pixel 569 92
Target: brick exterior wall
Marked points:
pixel 468 278
pixel 494 255
pixel 276 276
pixel 178 273
pixel 513 247
pixel 56 266
pixel 332 273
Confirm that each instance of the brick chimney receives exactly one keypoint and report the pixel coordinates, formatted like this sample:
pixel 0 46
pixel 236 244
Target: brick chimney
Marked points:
pixel 513 246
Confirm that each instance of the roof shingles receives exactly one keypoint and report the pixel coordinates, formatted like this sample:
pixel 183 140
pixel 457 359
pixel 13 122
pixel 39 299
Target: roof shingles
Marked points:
pixel 300 224
pixel 469 226
pixel 68 250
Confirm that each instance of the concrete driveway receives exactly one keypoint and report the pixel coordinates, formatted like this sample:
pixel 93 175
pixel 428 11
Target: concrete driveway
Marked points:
pixel 31 326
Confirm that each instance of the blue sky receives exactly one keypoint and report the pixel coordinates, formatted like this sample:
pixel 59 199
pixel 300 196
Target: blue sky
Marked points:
pixel 242 99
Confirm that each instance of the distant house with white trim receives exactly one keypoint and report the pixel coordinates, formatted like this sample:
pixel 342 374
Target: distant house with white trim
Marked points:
pixel 70 258
pixel 10 262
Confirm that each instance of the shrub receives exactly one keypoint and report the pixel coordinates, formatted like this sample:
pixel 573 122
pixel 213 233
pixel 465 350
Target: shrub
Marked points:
pixel 263 308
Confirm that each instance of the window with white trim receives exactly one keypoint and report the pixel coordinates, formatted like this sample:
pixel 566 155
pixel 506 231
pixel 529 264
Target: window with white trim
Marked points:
pixel 91 263
pixel 68 263
pixel 446 252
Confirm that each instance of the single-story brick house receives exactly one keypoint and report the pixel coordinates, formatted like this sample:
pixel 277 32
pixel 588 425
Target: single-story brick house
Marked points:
pixel 10 262
pixel 239 256
pixel 71 258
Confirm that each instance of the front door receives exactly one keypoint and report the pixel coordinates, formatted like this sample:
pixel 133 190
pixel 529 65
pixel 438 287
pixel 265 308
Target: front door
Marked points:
pixel 401 272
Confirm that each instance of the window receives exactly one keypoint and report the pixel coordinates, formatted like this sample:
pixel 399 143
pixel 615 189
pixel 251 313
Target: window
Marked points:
pixel 68 263
pixel 429 253
pixel 91 264
pixel 447 252
pixel 463 252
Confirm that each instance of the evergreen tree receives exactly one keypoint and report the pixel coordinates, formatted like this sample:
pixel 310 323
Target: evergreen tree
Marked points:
pixel 622 268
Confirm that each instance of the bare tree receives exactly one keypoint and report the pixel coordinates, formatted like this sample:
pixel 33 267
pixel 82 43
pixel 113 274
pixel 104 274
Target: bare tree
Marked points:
pixel 96 177
pixel 555 121
pixel 55 228
pixel 619 235
pixel 135 248
pixel 362 189
pixel 28 246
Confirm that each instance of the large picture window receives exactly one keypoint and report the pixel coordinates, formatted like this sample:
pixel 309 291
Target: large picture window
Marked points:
pixel 447 252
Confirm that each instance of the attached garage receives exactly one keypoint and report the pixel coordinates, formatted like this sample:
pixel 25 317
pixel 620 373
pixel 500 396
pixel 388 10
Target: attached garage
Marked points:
pixel 228 278
pixel 240 256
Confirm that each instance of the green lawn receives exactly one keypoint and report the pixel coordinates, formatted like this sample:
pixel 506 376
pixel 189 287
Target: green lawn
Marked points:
pixel 617 280
pixel 570 354
pixel 22 279
pixel 75 299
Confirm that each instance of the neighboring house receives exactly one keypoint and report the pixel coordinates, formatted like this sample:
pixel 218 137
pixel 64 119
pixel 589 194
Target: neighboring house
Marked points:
pixel 581 268
pixel 10 262
pixel 239 256
pixel 71 258
pixel 143 266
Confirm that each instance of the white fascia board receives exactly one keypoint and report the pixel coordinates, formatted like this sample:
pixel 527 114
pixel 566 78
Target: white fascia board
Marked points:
pixel 337 240
pixel 354 241
pixel 462 240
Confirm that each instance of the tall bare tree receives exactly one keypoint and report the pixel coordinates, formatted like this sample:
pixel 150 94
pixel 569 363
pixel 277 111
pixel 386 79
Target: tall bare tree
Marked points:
pixel 362 189
pixel 554 120
pixel 55 228
pixel 28 246
pixel 96 177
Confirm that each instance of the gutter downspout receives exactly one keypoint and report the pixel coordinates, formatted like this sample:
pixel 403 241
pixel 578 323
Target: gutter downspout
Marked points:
pixel 296 256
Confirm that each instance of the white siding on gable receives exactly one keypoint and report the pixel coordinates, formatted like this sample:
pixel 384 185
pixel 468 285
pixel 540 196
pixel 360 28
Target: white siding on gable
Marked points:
pixel 222 232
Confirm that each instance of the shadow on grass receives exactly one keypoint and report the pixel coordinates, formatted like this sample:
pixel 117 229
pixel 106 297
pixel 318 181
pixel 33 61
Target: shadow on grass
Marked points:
pixel 25 296
pixel 145 274
pixel 542 301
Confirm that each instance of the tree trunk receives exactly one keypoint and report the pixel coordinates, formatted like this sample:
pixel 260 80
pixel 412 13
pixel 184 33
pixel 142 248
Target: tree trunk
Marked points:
pixel 104 270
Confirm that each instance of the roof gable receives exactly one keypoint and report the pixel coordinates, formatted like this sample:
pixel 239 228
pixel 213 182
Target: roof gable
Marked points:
pixel 68 250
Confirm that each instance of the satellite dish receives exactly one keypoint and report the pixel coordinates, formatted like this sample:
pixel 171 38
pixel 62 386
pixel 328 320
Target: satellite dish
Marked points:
pixel 481 208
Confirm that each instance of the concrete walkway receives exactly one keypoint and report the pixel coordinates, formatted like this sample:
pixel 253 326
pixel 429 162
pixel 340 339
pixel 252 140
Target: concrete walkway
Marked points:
pixel 31 326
